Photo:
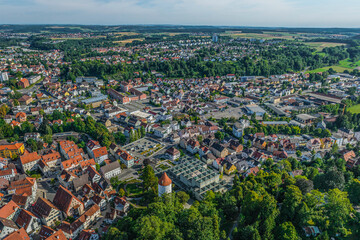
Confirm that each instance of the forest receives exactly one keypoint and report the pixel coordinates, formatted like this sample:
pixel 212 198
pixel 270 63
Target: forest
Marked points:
pixel 271 205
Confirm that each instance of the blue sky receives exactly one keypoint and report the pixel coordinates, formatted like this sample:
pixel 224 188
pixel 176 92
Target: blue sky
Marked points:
pixel 286 13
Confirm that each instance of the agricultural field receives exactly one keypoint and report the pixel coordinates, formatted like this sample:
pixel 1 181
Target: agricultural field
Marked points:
pixel 264 35
pixel 123 42
pixel 319 46
pixel 354 109
pixel 126 34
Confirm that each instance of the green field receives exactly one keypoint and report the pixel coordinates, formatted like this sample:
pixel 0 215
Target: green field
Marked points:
pixel 323 69
pixel 341 67
pixel 354 109
pixel 319 46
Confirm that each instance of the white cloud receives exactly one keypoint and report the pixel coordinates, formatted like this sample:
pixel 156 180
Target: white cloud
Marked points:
pixel 306 13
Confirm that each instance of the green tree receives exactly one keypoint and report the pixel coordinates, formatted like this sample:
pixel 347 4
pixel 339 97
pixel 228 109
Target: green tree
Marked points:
pixel 287 231
pixel 150 181
pixel 338 208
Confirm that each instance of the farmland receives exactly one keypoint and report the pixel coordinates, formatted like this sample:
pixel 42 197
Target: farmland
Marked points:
pixel 319 46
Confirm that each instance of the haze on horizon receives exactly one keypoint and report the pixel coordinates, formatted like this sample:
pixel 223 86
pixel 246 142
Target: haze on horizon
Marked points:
pixel 265 13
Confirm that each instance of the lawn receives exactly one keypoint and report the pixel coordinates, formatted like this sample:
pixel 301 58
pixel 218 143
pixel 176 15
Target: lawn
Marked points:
pixel 323 69
pixel 348 64
pixel 134 189
pixel 163 167
pixel 354 109
pixel 341 67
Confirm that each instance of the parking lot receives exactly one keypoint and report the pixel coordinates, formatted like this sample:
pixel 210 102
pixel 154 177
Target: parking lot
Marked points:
pixel 230 112
pixel 143 148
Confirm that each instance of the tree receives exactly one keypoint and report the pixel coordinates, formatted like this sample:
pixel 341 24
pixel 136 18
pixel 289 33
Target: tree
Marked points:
pixel 220 135
pixel 338 208
pixel 304 185
pixel 330 180
pixel 298 153
pixel 150 181
pixel 354 191
pixel 287 231
pixel 4 109
pixel 183 197
pixel 291 203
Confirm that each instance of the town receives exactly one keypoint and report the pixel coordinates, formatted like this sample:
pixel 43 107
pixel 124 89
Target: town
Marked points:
pixel 90 140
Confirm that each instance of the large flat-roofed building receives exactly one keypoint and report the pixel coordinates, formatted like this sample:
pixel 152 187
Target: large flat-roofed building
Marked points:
pixel 194 175
pixel 253 108
pixel 95 101
pixel 305 118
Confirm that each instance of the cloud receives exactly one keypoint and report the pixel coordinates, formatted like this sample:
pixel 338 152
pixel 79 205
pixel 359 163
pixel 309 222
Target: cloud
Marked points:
pixel 307 13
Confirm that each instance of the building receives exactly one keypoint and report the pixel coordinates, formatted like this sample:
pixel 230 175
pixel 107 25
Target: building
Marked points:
pixel 219 150
pixel 18 235
pixel 255 109
pixel 305 119
pixel 111 170
pixel 23 83
pixel 10 211
pixel 215 38
pixel 8 173
pixel 195 176
pixel 34 135
pixel 12 150
pixel 29 161
pixel 164 185
pixel 72 230
pixel 46 211
pixel 25 100
pixel 67 202
pixel 28 221
pixel 25 187
pixel 4 76
pixel 20 117
pixel 6 227
pixel 100 154
pixel 172 153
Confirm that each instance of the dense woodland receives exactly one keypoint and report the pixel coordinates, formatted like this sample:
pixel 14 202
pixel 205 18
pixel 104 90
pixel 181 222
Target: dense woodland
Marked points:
pixel 271 205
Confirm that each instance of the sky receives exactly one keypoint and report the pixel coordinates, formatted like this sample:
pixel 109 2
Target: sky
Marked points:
pixel 262 13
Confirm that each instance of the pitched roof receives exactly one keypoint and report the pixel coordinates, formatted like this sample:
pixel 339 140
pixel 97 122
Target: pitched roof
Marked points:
pixel 8 209
pixel 43 207
pixel 58 235
pixel 29 157
pixel 24 218
pixel 18 235
pixel 14 146
pixel 100 152
pixel 110 167
pixel 63 199
pixel 8 223
pixel 164 180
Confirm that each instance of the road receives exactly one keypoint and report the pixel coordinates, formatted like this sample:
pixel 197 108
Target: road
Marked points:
pixel 233 227
pixel 31 90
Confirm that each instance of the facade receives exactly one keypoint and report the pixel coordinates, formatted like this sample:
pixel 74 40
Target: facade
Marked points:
pixel 67 202
pixel 111 170
pixel 46 211
pixel 12 150
pixel 29 161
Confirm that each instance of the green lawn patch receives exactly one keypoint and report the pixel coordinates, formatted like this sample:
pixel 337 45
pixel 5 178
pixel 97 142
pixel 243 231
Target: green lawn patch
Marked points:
pixel 163 167
pixel 134 189
pixel 354 109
